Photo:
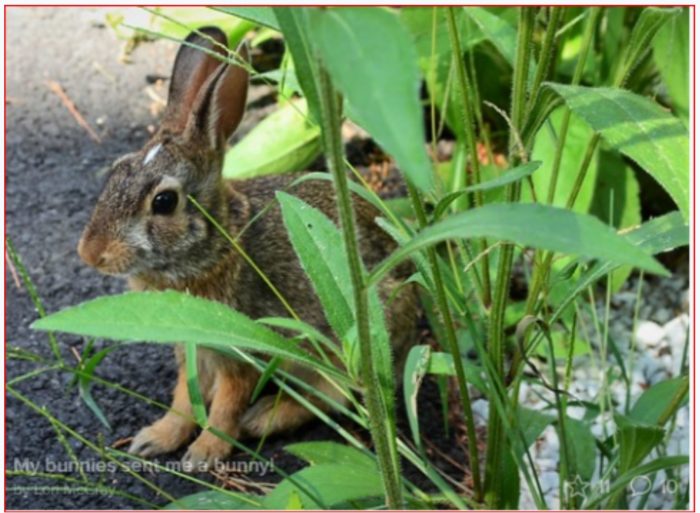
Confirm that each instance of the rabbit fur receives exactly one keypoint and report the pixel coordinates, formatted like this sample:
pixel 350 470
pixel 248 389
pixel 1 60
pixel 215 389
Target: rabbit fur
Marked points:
pixel 144 228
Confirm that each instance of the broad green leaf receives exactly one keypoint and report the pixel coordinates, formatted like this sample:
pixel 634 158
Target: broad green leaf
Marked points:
pixel 529 425
pixel 616 201
pixel 442 364
pixel 323 453
pixel 328 484
pixel 417 364
pixel 172 317
pixel 561 341
pixel 582 446
pixel 294 24
pixel 533 225
pixel 260 15
pixel 532 423
pixel 653 237
pixel 319 245
pixel 428 26
pixel 645 29
pixel 283 142
pixel 640 129
pixel 215 500
pixel 501 33
pixel 636 441
pixel 372 61
pixel 546 140
pixel 660 401
pixel 671 54
pixel 321 250
pixel 507 177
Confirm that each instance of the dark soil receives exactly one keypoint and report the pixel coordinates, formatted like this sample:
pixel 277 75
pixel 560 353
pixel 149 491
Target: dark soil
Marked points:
pixel 54 172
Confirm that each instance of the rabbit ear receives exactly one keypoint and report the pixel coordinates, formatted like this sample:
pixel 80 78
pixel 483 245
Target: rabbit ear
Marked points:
pixel 191 70
pixel 220 103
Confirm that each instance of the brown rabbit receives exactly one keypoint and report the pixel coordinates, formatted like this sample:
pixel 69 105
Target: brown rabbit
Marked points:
pixel 144 228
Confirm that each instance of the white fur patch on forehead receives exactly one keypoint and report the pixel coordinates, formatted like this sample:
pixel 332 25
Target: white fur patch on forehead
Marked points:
pixel 152 154
pixel 168 182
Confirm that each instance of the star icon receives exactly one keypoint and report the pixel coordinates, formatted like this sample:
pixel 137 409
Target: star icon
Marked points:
pixel 576 488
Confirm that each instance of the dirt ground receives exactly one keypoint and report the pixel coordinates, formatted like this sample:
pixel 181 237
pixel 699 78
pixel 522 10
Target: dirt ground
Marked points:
pixel 53 176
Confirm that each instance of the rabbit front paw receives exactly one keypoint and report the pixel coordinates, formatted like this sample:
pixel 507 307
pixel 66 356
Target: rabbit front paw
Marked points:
pixel 205 452
pixel 163 436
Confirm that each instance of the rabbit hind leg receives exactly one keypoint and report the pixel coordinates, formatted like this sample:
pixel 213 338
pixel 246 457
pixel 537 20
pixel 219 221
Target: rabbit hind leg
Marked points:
pixel 278 413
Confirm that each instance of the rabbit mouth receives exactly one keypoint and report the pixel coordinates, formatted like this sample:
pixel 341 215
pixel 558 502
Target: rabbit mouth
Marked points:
pixel 113 258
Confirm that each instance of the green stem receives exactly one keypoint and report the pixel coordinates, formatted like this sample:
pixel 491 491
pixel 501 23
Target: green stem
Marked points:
pixel 586 45
pixel 545 260
pixel 546 54
pixel 497 444
pixel 451 336
pixel 470 136
pixel 333 147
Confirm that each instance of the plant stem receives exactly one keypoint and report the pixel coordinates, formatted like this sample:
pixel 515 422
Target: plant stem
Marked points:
pixel 330 133
pixel 544 261
pixel 451 336
pixel 497 444
pixel 546 53
pixel 587 43
pixel 470 136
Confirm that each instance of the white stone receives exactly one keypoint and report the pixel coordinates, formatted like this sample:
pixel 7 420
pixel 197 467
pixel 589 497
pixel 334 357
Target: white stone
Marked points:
pixel 648 334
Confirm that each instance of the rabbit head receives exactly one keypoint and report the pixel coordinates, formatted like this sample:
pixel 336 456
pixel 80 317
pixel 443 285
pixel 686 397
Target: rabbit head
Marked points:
pixel 144 223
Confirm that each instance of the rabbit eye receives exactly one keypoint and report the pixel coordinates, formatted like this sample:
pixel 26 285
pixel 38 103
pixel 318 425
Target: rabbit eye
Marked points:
pixel 164 203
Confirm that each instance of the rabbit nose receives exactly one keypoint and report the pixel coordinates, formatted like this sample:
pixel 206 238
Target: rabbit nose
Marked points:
pixel 91 250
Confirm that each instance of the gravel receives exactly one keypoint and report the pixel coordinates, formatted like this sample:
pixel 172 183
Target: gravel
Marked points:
pixel 655 353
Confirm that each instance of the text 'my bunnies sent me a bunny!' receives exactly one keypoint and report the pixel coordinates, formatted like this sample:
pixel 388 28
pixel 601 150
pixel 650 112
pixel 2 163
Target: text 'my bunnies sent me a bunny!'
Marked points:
pixel 144 228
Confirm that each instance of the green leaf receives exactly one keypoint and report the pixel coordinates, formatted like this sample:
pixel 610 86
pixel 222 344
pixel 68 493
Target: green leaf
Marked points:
pixel 671 54
pixel 532 423
pixel 582 445
pixel 372 61
pixel 645 29
pixel 283 142
pixel 436 62
pixel 295 27
pixel 533 225
pixel 417 364
pixel 616 202
pixel 546 140
pixel 656 236
pixel 177 22
pixel 330 483
pixel 636 441
pixel 660 401
pixel 294 502
pixel 561 340
pixel 442 364
pixel 260 15
pixel 501 33
pixel 321 250
pixel 196 399
pixel 640 129
pixel 617 486
pixel 507 177
pixel 215 500
pixel 87 369
pixel 323 453
pixel 172 317
pixel 319 245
